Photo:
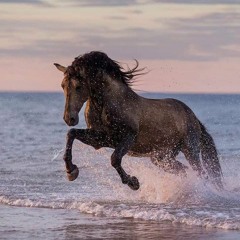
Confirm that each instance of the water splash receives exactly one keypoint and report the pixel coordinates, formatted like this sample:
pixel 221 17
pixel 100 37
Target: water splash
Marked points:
pixel 56 153
pixel 161 197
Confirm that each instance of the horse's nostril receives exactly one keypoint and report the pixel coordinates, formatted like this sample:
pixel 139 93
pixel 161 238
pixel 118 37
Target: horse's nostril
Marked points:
pixel 72 120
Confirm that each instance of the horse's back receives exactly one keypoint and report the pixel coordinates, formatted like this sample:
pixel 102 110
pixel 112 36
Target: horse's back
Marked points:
pixel 164 123
pixel 167 111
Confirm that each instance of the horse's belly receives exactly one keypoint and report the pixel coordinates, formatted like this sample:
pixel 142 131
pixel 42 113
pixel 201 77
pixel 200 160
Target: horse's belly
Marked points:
pixel 138 154
pixel 161 152
pixel 146 144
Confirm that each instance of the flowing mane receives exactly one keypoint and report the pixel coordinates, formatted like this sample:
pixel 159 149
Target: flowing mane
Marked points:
pixel 94 61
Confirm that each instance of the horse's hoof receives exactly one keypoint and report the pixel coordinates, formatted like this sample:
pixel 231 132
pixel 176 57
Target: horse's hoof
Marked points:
pixel 133 183
pixel 73 174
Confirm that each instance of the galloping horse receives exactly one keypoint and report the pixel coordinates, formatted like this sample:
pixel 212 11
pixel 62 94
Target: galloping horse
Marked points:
pixel 118 118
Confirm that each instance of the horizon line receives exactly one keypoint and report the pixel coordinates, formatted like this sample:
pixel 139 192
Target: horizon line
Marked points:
pixel 138 91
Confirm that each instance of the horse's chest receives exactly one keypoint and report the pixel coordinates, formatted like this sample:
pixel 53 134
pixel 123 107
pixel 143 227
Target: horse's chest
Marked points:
pixel 97 119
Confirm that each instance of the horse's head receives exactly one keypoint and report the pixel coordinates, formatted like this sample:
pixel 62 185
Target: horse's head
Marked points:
pixel 76 93
pixel 87 77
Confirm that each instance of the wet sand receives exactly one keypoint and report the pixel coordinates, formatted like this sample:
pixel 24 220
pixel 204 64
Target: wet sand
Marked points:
pixel 41 223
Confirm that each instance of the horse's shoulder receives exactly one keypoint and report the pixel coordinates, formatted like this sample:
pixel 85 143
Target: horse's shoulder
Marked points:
pixel 121 115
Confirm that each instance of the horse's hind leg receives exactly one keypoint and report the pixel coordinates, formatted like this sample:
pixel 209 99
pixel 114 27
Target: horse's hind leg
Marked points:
pixel 170 165
pixel 191 151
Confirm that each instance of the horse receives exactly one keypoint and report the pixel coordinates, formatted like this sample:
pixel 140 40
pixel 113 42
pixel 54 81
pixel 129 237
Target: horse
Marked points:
pixel 118 118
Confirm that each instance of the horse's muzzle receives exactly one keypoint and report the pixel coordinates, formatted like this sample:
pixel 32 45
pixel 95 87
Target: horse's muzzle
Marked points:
pixel 71 121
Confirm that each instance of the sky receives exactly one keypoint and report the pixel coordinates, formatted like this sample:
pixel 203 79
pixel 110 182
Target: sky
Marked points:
pixel 187 46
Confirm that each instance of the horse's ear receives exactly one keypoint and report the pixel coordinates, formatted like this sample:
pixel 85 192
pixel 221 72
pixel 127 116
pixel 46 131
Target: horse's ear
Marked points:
pixel 60 67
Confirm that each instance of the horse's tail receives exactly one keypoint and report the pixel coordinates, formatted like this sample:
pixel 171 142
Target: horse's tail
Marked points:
pixel 210 158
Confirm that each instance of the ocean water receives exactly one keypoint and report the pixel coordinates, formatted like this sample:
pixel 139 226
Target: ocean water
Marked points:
pixel 37 201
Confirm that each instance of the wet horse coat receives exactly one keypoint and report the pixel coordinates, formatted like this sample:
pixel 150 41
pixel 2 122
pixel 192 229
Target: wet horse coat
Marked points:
pixel 118 118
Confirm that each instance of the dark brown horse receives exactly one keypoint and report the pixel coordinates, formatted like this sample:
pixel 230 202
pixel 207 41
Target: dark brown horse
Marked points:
pixel 118 118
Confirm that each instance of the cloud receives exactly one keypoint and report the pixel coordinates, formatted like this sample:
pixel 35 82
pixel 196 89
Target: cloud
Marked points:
pixel 103 3
pixel 198 38
pixel 209 2
pixel 137 43
pixel 211 33
pixel 119 3
pixel 118 18
pixel 35 2
pixel 208 37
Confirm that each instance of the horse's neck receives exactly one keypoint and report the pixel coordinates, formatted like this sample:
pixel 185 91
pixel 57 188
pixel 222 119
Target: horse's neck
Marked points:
pixel 100 99
pixel 116 90
pixel 104 88
pixel 111 91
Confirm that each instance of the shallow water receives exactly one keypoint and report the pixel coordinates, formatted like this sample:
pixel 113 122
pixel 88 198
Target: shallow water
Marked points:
pixel 39 223
pixel 32 175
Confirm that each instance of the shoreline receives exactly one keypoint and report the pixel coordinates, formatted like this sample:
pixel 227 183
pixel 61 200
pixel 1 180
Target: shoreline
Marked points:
pixel 38 223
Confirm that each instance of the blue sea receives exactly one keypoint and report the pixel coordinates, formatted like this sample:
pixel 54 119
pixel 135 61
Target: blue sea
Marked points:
pixel 37 201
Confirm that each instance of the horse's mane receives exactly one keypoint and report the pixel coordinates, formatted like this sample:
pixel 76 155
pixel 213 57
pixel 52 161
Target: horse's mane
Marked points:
pixel 94 61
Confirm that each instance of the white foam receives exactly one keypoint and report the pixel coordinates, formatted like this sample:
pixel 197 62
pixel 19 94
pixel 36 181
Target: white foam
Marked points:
pixel 193 217
pixel 205 216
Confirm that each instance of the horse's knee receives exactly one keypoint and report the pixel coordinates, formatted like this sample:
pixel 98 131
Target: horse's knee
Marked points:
pixel 71 133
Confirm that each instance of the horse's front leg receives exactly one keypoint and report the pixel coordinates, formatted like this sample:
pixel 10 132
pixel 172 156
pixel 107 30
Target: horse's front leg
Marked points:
pixel 116 159
pixel 91 137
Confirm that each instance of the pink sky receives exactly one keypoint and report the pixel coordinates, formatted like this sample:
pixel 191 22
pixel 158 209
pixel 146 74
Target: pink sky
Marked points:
pixel 187 47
